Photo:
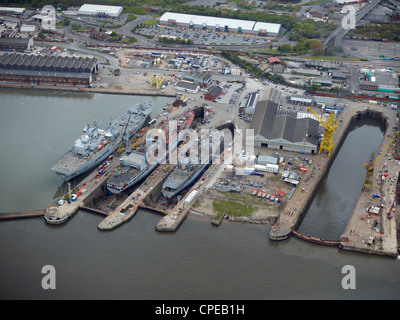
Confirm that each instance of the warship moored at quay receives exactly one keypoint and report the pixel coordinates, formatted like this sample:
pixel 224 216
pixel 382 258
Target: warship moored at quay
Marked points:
pixel 96 144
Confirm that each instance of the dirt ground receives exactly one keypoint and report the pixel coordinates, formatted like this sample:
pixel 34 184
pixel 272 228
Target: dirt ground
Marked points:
pixel 263 210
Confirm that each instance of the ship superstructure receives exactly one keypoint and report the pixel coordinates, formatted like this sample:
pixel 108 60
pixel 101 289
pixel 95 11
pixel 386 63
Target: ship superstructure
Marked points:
pixel 96 144
pixel 135 167
pixel 190 168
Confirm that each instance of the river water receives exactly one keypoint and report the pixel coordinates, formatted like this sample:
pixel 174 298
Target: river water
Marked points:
pixel 198 261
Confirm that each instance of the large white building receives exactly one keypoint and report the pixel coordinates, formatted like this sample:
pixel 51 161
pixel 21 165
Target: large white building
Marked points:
pixel 282 130
pixel 12 11
pixel 96 10
pixel 246 27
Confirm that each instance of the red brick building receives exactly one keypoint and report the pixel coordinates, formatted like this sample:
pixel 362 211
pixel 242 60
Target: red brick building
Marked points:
pixel 213 93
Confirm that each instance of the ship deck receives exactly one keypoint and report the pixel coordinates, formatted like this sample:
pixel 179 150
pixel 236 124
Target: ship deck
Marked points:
pixel 69 163
pixel 122 178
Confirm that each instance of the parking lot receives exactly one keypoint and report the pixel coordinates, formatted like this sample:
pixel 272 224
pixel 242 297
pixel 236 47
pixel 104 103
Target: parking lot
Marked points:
pixel 213 38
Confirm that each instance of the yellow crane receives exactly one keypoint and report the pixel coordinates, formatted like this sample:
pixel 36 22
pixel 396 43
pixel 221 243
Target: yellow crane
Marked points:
pixel 155 82
pixel 370 166
pixel 330 125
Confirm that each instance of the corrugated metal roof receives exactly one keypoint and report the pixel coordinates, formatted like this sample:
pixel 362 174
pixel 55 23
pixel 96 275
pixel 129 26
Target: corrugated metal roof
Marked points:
pixel 245 25
pixel 95 8
pixel 271 124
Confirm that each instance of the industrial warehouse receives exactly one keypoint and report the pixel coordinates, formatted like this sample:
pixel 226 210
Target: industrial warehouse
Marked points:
pixel 47 70
pixel 283 130
pixel 94 10
pixel 196 22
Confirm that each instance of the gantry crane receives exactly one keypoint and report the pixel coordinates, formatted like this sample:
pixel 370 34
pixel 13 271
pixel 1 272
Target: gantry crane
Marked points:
pixel 330 126
pixel 155 82
pixel 369 166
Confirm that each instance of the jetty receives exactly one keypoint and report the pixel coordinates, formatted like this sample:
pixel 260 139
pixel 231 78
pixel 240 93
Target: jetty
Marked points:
pixel 22 214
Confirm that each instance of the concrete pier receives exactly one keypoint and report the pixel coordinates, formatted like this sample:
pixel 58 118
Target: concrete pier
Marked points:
pixel 127 210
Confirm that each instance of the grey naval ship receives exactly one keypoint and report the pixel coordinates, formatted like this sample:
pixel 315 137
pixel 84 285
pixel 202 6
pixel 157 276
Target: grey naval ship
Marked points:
pixel 96 144
pixel 134 166
pixel 189 169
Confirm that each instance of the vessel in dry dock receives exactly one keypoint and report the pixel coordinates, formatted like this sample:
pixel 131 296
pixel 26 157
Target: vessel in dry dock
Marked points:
pixel 135 166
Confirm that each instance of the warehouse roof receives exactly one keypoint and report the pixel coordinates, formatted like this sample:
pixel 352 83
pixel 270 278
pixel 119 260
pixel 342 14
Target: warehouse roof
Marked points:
pixel 95 8
pixel 12 10
pixel 14 61
pixel 246 25
pixel 302 99
pixel 186 85
pixel 15 42
pixel 214 90
pixel 269 27
pixel 48 74
pixel 271 124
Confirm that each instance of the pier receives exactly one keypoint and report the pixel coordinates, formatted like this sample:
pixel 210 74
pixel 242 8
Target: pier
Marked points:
pixel 22 214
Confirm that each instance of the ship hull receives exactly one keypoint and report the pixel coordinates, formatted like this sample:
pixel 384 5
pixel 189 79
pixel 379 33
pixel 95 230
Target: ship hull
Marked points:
pixel 183 186
pixel 87 164
pixel 132 181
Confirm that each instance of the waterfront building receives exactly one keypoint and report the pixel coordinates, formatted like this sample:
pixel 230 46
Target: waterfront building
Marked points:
pixel 47 70
pixel 283 130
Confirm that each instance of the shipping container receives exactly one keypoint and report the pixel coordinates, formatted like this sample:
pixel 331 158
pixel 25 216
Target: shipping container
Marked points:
pixel 190 197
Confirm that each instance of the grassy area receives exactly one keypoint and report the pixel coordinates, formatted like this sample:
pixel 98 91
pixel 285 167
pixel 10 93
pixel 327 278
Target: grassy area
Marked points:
pixel 232 208
pixel 149 22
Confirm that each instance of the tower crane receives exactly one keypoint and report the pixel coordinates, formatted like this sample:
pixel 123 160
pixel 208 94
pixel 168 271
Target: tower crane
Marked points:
pixel 369 166
pixel 330 125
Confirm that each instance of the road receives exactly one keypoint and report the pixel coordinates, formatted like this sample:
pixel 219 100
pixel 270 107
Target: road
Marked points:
pixel 340 32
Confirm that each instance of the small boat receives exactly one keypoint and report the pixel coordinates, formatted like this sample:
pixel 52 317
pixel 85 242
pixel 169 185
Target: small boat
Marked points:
pixel 263 194
pixel 272 198
pixel 282 193
pixel 267 196
pixel 254 192
pixel 278 192
pixel 259 193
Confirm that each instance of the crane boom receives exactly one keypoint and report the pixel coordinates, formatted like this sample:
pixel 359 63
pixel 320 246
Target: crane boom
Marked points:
pixel 330 125
pixel 370 166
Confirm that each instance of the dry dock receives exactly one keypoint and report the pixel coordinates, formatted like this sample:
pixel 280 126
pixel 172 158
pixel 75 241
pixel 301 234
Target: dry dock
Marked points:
pixel 362 224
